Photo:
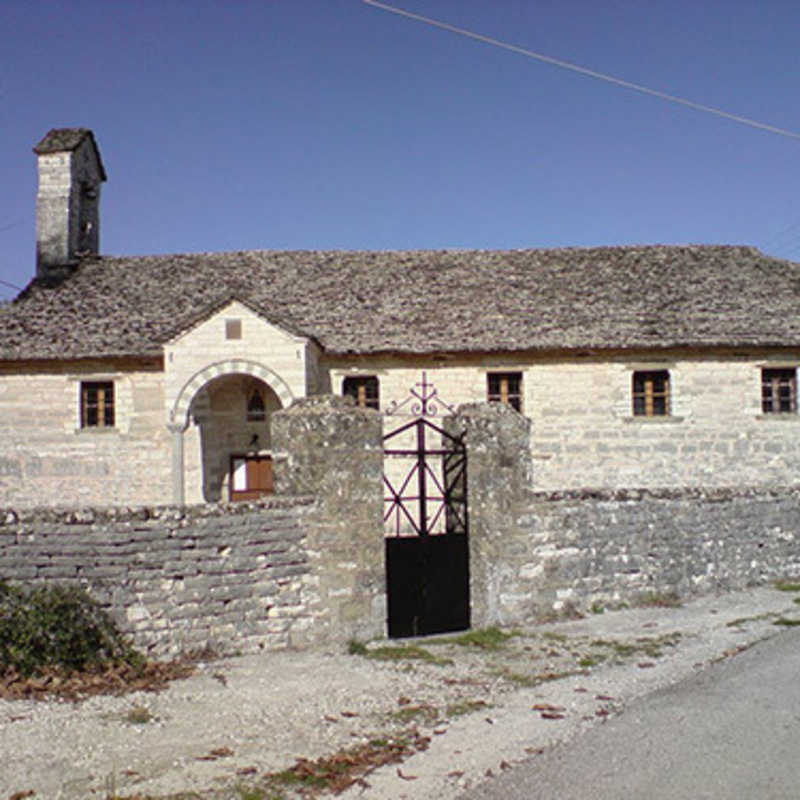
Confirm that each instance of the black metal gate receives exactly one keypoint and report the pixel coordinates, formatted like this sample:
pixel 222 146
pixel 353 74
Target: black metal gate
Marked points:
pixel 425 524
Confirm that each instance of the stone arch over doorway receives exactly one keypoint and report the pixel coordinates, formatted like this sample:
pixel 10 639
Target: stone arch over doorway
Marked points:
pixel 179 415
pixel 207 471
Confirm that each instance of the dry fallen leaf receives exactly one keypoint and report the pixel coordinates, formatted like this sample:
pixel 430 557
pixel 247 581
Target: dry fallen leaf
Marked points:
pixel 406 777
pixel 547 707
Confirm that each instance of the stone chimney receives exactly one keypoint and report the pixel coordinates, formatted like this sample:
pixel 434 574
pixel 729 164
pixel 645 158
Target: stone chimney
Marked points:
pixel 68 202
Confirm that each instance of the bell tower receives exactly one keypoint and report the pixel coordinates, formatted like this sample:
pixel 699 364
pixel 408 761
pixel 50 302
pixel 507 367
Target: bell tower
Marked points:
pixel 68 201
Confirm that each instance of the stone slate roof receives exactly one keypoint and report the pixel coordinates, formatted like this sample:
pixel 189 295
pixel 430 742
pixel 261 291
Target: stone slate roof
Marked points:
pixel 421 301
pixel 58 140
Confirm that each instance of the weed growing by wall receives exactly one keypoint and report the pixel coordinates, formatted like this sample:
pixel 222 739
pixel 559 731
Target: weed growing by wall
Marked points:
pixel 57 626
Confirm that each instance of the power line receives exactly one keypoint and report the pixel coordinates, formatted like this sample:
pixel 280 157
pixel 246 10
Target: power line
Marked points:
pixel 777 240
pixel 583 70
pixel 11 285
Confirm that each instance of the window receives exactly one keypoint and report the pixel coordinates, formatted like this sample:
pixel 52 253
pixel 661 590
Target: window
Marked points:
pixel 256 412
pixel 651 394
pixel 779 391
pixel 233 329
pixel 505 387
pixel 97 404
pixel 363 389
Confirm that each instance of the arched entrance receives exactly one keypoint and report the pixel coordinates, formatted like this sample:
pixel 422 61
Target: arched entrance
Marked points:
pixel 231 414
pixel 220 423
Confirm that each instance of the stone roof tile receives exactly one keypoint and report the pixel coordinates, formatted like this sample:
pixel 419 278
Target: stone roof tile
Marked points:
pixel 638 297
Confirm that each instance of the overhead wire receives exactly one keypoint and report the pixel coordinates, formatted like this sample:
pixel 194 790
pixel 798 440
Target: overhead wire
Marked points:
pixel 557 62
pixel 779 240
pixel 11 285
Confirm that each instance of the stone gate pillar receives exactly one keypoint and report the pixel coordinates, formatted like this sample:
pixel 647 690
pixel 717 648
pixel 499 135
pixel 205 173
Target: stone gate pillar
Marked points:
pixel 328 447
pixel 499 481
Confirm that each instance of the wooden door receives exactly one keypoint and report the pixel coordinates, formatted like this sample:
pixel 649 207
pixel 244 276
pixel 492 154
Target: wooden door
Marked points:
pixel 250 477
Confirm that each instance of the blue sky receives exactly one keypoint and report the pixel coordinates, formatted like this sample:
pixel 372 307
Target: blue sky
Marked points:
pixel 316 124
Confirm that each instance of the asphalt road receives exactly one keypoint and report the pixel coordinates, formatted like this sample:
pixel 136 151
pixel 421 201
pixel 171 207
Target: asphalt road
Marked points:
pixel 732 731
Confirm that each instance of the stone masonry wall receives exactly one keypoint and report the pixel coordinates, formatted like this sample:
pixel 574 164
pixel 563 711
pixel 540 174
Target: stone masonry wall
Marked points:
pixel 288 571
pixel 533 554
pixel 232 578
pixel 47 459
pixel 571 551
pixel 583 432
pixel 328 447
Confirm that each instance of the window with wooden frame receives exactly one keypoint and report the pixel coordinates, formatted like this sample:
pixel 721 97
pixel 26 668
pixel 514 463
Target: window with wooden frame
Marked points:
pixel 651 393
pixel 364 389
pixel 505 387
pixel 97 404
pixel 779 390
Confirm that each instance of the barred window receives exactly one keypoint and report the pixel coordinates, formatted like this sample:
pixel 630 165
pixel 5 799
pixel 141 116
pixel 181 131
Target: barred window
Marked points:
pixel 779 391
pixel 505 387
pixel 651 393
pixel 364 389
pixel 97 404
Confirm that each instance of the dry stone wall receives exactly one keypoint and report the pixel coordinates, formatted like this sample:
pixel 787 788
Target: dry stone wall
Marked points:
pixel 533 555
pixel 610 548
pixel 291 571
pixel 306 567
pixel 229 578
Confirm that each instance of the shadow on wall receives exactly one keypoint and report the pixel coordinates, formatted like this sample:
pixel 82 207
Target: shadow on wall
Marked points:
pixel 232 414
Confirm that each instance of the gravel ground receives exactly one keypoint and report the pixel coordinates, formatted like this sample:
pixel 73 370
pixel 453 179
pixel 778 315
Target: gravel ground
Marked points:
pixel 237 719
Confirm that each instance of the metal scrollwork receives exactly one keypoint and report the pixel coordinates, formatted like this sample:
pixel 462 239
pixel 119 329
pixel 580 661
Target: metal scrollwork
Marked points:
pixel 422 401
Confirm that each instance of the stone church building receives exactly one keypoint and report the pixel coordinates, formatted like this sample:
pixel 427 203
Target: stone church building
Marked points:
pixel 152 379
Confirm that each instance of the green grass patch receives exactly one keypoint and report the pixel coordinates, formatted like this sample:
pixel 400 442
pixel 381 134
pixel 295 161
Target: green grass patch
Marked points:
pixel 339 771
pixel 491 638
pixel 787 586
pixel 531 679
pixel 139 715
pixel 254 793
pixel 462 707
pixel 650 646
pixel 554 637
pixel 398 653
pixel 356 648
pixel 423 712
pixel 786 622
pixel 668 599
pixel 739 621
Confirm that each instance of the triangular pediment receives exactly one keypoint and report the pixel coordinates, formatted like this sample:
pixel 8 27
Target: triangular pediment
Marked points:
pixel 219 318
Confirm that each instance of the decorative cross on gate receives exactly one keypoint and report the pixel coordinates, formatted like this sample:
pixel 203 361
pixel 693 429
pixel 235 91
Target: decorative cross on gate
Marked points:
pixel 424 399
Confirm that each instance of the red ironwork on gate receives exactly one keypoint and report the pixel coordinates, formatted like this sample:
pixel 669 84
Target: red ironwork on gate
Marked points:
pixel 425 520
